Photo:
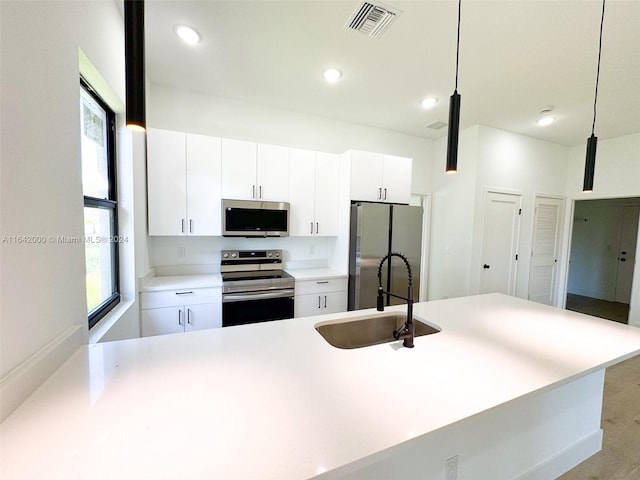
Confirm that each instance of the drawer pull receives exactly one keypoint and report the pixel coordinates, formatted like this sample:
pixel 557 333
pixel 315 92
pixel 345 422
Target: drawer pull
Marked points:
pixel 325 281
pixel 184 293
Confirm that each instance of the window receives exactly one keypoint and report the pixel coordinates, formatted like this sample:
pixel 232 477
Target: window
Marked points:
pixel 97 122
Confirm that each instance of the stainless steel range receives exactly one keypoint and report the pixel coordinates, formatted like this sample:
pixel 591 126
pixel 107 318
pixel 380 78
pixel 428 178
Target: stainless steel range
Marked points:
pixel 254 287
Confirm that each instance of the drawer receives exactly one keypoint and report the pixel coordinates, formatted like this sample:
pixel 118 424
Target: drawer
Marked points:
pixel 321 285
pixel 186 296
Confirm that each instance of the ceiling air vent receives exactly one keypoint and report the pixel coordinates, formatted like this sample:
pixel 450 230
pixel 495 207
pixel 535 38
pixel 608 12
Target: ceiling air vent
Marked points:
pixel 437 125
pixel 372 19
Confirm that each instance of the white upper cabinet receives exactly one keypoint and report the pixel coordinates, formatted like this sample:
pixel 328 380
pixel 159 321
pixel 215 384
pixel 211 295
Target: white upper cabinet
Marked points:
pixel 238 169
pixel 380 178
pixel 396 179
pixel 203 185
pixel 183 183
pixel 253 171
pixel 313 193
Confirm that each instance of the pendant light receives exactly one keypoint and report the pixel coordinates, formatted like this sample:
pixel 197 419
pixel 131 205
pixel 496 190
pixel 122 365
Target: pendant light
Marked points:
pixel 134 64
pixel 592 142
pixel 454 113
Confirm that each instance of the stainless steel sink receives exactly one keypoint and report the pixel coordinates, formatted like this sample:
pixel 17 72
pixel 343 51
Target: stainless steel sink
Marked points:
pixel 357 332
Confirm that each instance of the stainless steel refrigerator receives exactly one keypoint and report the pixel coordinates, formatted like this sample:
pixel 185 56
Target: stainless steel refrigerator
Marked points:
pixel 377 229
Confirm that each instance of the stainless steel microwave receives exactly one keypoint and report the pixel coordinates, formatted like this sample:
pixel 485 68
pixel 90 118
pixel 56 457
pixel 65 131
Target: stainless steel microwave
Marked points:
pixel 249 218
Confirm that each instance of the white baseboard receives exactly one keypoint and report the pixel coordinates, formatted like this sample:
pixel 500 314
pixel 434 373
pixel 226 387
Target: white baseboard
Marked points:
pixel 23 380
pixel 566 459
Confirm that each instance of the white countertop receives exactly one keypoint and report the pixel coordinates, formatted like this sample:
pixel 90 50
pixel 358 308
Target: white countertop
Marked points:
pixel 314 273
pixel 177 282
pixel 275 401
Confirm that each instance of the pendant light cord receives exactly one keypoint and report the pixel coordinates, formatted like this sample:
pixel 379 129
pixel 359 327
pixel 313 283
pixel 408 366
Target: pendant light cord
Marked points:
pixel 458 45
pixel 595 101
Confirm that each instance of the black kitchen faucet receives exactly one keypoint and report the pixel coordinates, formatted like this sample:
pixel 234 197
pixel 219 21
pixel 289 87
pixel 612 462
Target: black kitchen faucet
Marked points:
pixel 407 331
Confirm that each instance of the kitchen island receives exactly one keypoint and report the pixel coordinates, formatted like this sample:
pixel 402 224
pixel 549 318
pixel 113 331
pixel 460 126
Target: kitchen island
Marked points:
pixel 507 389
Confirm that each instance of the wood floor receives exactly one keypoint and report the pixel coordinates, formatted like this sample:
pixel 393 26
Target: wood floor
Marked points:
pixel 618 312
pixel 619 458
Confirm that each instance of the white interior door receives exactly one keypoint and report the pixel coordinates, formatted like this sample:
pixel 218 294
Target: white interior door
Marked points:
pixel 500 236
pixel 544 254
pixel 627 253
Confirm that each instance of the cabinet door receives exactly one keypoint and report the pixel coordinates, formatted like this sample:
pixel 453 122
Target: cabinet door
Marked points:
pixel 273 173
pixel 334 302
pixel 307 305
pixel 366 176
pixel 396 179
pixel 166 182
pixel 238 170
pixel 301 192
pixel 203 185
pixel 160 321
pixel 327 189
pixel 201 317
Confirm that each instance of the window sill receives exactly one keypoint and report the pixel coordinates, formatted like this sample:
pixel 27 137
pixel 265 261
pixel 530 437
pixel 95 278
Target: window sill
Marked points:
pixel 100 329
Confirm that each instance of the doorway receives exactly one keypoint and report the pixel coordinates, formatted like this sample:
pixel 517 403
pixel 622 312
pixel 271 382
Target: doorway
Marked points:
pixel 500 238
pixel 602 257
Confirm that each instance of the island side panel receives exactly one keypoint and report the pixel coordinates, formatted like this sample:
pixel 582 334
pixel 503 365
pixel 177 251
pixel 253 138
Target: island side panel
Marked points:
pixel 536 437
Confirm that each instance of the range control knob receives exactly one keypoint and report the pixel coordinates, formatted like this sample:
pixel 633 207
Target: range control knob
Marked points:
pixel 277 254
pixel 269 254
pixel 234 255
pixel 226 255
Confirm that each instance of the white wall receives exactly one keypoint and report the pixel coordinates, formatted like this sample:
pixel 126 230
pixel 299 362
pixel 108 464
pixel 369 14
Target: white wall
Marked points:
pixel 487 159
pixel 452 209
pixel 43 308
pixel 617 175
pixel 173 109
pixel 515 163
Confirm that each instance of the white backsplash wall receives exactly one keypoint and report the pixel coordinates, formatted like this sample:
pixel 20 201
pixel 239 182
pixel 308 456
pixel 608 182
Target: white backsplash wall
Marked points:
pixel 182 255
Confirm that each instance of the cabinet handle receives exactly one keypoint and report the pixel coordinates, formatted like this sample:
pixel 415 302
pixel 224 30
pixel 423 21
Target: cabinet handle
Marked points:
pixel 184 293
pixel 253 191
pixel 190 225
pixel 182 228
pixel 316 228
pixel 180 317
pixel 311 228
pixel 321 282
pixel 385 194
pixel 260 190
pixel 189 315
pixel 318 301
pixel 325 301
pixel 380 193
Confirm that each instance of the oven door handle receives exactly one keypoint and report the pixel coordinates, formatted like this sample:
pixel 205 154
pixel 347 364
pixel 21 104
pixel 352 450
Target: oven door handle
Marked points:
pixel 243 297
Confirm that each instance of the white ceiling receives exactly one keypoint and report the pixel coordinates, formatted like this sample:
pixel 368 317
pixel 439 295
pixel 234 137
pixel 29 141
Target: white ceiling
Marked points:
pixel 516 58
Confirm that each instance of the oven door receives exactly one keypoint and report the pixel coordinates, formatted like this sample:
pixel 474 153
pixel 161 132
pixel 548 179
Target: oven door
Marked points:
pixel 254 307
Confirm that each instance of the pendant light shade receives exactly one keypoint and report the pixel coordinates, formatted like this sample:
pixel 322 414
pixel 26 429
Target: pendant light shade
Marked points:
pixel 592 142
pixel 454 130
pixel 134 63
pixel 454 113
pixel 590 163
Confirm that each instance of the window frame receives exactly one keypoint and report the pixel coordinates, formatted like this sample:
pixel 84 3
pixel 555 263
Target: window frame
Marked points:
pixel 110 204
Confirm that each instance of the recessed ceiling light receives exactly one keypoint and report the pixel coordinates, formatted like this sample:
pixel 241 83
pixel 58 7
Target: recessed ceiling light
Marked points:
pixel 428 102
pixel 188 34
pixel 546 118
pixel 332 75
pixel 544 121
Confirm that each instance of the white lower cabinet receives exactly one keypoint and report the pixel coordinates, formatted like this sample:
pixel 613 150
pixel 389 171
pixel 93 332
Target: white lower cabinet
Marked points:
pixel 320 296
pixel 175 311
